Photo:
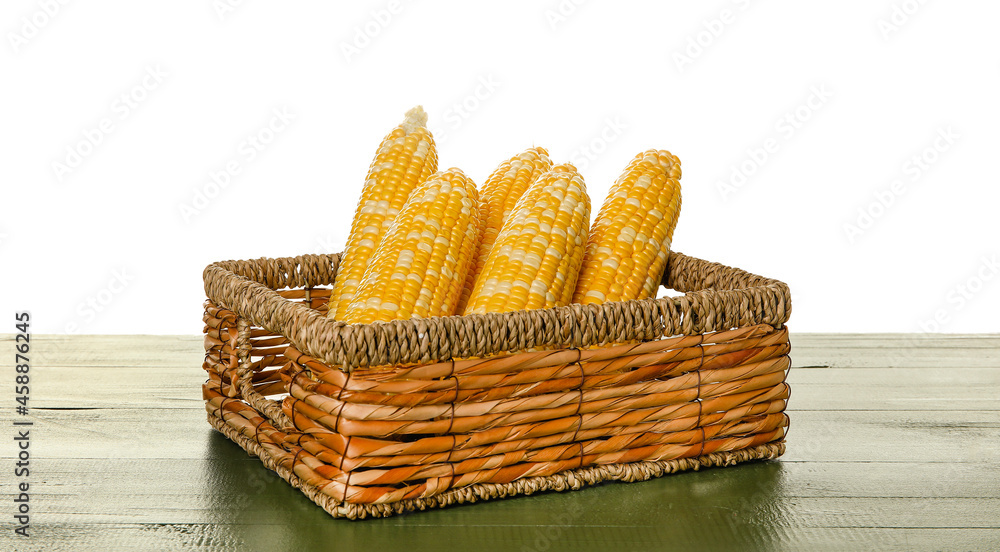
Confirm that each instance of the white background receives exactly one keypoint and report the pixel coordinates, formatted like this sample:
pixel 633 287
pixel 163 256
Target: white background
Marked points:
pixel 868 84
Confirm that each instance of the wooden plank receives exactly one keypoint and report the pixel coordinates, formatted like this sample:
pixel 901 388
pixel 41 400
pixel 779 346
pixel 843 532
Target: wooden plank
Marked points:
pixel 117 386
pixel 895 350
pixel 140 537
pixel 916 357
pixel 848 397
pixel 928 379
pixel 116 350
pixel 894 340
pixel 113 432
pixel 370 535
pixel 893 436
pixel 894 389
pixel 906 358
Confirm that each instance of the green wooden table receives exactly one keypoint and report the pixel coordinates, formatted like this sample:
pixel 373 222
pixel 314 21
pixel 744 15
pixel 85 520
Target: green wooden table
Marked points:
pixel 894 445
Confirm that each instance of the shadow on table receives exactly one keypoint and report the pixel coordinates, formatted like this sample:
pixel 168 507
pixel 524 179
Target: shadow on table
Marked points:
pixel 736 507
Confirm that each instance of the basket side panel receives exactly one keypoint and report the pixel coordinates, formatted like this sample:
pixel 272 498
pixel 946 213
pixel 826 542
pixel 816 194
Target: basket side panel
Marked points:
pixel 728 395
pixel 244 362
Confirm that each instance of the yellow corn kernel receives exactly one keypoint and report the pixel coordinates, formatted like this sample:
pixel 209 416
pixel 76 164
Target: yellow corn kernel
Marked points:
pixel 420 267
pixel 405 159
pixel 497 199
pixel 630 239
pixel 536 258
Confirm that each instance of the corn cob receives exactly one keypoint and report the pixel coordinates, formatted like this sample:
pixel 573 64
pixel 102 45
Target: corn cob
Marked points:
pixel 498 196
pixel 630 239
pixel 536 258
pixel 405 159
pixel 419 268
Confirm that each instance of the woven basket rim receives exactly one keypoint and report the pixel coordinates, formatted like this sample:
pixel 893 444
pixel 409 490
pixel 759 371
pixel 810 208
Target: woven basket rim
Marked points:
pixel 715 297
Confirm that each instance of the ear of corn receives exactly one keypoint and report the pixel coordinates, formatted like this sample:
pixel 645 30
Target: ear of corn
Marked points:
pixel 630 239
pixel 405 159
pixel 498 196
pixel 536 258
pixel 420 267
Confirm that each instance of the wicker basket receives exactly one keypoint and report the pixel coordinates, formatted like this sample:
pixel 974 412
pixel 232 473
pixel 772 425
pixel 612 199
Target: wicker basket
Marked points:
pixel 488 406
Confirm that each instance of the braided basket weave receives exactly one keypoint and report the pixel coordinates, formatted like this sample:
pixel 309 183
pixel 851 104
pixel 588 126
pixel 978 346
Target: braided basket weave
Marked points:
pixel 380 419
